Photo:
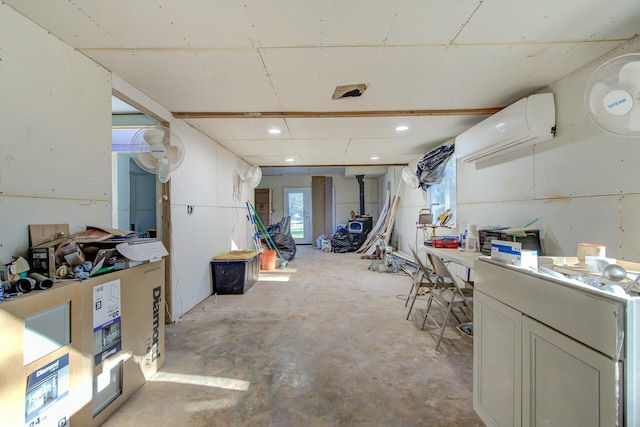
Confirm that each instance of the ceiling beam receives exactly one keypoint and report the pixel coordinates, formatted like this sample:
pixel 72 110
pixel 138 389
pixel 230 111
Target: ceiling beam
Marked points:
pixel 346 165
pixel 333 114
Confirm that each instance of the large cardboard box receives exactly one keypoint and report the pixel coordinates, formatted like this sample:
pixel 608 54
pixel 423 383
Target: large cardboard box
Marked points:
pixel 71 365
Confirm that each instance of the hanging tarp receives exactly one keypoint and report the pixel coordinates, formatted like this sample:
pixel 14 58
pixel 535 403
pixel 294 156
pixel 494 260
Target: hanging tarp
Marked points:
pixel 430 168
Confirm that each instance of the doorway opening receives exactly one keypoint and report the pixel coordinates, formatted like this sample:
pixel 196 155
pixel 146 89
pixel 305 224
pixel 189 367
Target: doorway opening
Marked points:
pixel 297 205
pixel 134 190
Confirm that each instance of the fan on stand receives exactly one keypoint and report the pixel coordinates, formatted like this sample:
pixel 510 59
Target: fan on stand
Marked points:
pixel 612 96
pixel 157 150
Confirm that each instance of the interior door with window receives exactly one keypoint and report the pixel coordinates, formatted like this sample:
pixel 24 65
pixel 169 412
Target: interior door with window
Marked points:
pixel 297 205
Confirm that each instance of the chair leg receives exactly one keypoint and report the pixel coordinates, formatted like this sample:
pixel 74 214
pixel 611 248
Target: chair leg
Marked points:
pixel 413 301
pixel 444 325
pixel 426 316
pixel 413 285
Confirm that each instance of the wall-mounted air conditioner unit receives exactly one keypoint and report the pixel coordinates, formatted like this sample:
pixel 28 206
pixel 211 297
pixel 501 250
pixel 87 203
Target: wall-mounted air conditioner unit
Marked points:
pixel 526 122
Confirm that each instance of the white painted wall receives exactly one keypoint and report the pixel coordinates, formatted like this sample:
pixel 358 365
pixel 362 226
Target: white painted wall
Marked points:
pixel 55 158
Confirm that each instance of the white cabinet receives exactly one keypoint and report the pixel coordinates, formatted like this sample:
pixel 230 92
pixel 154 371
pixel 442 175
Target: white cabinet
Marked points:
pixel 497 362
pixel 529 368
pixel 565 383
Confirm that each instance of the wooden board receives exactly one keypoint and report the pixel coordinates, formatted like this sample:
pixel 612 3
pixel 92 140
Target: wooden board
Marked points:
pixel 42 233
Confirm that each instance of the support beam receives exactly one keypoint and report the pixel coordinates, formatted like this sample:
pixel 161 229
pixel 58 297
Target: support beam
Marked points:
pixel 332 114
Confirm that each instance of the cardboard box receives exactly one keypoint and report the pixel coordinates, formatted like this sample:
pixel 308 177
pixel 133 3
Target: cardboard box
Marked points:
pixel 512 253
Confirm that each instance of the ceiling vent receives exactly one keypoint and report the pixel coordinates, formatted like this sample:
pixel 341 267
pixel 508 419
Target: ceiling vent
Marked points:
pixel 349 91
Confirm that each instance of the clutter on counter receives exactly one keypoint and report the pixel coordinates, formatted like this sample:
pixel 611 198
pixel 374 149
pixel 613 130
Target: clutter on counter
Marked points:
pixel 57 255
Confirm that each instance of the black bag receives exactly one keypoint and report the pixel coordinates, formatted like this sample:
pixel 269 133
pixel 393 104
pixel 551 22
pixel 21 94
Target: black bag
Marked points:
pixel 280 233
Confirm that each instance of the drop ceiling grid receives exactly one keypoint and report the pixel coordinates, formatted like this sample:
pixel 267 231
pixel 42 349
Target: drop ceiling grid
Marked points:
pixel 549 21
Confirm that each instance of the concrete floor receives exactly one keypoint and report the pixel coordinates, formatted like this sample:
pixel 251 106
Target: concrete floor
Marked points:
pixel 323 342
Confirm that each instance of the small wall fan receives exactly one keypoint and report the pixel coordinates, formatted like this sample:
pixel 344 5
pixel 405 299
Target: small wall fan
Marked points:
pixel 410 178
pixel 251 177
pixel 157 150
pixel 612 96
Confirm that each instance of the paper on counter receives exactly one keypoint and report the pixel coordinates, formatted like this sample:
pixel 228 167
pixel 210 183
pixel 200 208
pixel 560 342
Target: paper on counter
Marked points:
pixel 143 250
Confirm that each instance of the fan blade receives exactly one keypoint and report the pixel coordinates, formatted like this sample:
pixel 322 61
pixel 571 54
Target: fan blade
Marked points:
pixel 630 77
pixel 146 161
pixel 253 176
pixel 596 99
pixel 634 117
pixel 174 155
pixel 153 136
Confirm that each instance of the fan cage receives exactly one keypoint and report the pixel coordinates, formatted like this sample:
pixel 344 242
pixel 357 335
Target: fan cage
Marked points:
pixel 607 73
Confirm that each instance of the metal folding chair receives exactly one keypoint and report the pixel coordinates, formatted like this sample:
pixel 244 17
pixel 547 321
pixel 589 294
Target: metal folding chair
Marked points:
pixel 448 295
pixel 422 282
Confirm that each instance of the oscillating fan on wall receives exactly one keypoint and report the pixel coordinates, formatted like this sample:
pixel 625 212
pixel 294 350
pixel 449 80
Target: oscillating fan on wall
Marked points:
pixel 251 177
pixel 612 96
pixel 410 178
pixel 157 150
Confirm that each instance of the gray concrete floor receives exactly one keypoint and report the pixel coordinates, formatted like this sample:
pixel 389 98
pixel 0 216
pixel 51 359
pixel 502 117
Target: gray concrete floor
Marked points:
pixel 323 342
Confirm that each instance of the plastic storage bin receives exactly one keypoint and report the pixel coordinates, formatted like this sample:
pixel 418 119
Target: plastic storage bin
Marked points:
pixel 449 242
pixel 235 272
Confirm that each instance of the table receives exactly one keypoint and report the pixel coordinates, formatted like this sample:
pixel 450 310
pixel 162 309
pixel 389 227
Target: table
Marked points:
pixel 465 259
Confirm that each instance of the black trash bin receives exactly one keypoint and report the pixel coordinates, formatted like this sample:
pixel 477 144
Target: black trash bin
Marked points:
pixel 234 272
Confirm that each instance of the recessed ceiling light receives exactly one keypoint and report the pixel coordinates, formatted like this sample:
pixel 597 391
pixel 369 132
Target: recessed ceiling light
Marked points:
pixel 402 128
pixel 375 158
pixel 274 131
pixel 289 159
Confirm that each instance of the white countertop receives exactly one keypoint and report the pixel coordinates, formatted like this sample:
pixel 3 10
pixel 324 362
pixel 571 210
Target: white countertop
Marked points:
pixel 466 259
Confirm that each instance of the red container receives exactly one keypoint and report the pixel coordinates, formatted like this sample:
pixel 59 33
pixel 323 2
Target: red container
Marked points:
pixel 447 242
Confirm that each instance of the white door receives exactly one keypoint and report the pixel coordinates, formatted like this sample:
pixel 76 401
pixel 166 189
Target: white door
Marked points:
pixel 297 205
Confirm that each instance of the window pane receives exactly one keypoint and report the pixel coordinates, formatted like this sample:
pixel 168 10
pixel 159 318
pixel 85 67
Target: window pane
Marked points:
pixel 444 194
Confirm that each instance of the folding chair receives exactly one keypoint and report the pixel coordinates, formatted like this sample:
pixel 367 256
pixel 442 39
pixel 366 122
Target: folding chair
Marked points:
pixel 422 282
pixel 448 295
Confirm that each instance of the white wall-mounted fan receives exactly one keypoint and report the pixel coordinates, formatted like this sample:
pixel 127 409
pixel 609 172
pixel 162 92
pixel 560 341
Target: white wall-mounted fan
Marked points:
pixel 612 96
pixel 410 178
pixel 251 177
pixel 157 150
